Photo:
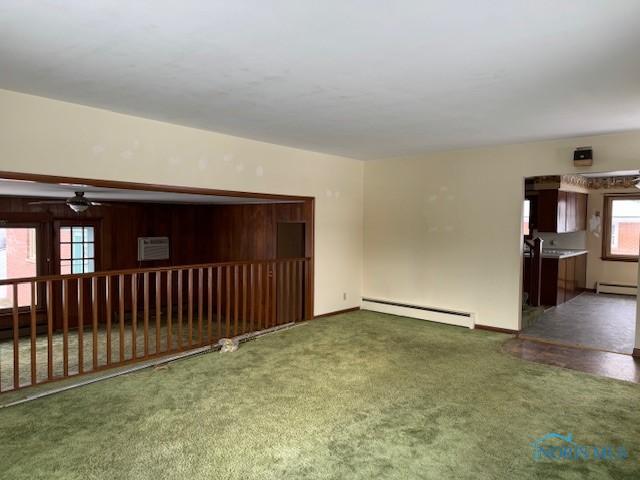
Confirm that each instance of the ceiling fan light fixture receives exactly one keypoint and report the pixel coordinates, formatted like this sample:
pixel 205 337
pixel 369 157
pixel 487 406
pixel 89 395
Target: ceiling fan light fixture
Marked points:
pixel 78 203
pixel 78 207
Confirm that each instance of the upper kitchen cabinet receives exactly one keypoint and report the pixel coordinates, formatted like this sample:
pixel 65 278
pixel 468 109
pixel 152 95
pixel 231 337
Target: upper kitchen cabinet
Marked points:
pixel 559 211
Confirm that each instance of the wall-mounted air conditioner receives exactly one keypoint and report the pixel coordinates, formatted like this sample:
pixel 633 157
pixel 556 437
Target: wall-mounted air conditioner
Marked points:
pixel 153 248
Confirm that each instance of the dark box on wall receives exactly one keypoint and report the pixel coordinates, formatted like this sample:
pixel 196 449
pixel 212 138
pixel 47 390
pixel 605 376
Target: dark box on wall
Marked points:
pixel 583 157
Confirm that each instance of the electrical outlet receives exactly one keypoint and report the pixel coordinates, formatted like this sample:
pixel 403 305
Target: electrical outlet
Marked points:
pixel 344 296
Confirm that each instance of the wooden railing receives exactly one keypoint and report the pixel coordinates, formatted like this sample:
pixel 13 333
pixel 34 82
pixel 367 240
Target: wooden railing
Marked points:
pixel 66 325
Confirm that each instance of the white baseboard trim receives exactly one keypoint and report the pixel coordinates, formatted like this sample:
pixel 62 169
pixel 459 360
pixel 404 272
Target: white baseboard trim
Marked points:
pixel 432 314
pixel 620 289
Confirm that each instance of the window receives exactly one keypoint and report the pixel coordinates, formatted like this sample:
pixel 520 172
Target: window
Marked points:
pixel 621 239
pixel 526 217
pixel 17 260
pixel 77 249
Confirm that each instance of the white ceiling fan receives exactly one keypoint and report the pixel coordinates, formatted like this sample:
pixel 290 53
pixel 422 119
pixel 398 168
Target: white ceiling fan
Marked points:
pixel 78 203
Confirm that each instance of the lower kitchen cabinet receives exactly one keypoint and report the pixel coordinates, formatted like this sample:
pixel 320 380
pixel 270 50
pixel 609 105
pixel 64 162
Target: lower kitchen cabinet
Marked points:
pixel 562 278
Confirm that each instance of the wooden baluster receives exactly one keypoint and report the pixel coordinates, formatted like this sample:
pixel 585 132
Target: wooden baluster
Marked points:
pixel 285 293
pixel 158 309
pixel 280 292
pixel 134 316
pixel 16 339
pixel 145 282
pixel 228 306
pixel 294 291
pixel 235 299
pixel 179 309
pixel 267 295
pixel 80 325
pixel 169 310
pixel 252 299
pixel 301 290
pixel 107 300
pixel 65 327
pixel 94 315
pixel 274 303
pixel 33 331
pixel 244 298
pixel 288 294
pixel 49 330
pixel 292 306
pixel 259 298
pixel 190 305
pixel 219 301
pixel 209 304
pixel 121 280
pixel 307 276
pixel 200 305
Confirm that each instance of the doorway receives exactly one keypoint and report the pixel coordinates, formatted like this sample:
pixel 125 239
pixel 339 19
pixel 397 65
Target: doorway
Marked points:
pixel 581 236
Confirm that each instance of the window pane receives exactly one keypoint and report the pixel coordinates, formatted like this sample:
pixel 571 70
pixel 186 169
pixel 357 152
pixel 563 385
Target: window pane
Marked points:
pixel 65 267
pixel 77 250
pixel 65 250
pixel 76 234
pixel 625 227
pixel 17 247
pixel 76 266
pixel 88 250
pixel 65 234
pixel 527 214
pixel 88 234
pixel 89 266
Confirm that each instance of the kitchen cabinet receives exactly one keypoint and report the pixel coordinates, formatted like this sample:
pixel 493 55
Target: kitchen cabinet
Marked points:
pixel 561 212
pixel 562 278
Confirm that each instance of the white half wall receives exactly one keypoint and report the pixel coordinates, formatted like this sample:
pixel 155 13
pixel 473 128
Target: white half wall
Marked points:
pixel 43 136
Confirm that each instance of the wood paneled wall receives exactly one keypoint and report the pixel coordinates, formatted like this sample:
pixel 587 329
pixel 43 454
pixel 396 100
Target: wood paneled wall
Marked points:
pixel 197 233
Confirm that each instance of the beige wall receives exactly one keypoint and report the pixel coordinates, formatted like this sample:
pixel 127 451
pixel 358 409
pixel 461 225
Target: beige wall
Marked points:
pixel 625 273
pixel 44 136
pixel 444 229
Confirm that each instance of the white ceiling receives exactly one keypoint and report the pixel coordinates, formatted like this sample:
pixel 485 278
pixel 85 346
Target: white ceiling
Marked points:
pixel 21 188
pixel 362 78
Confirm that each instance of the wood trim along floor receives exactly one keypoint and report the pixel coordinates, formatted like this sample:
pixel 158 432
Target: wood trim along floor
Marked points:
pixel 497 329
pixel 636 353
pixel 337 312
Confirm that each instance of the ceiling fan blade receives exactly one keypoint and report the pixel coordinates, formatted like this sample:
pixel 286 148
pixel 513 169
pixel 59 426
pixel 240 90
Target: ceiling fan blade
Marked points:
pixel 103 204
pixel 48 202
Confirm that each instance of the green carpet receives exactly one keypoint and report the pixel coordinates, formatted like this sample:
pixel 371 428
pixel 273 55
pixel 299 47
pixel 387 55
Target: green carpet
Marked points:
pixel 356 396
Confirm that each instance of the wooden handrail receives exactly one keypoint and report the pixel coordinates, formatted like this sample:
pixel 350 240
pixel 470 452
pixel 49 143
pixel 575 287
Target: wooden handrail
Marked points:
pixel 106 273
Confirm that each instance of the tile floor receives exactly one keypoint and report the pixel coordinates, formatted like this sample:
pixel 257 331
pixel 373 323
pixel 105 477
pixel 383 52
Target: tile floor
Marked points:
pixel 602 322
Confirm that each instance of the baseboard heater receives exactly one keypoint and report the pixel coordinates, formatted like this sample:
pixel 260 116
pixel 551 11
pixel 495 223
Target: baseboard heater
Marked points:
pixel 620 289
pixel 433 314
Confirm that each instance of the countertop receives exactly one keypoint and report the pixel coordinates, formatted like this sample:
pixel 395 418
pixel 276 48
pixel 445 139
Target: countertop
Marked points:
pixel 561 252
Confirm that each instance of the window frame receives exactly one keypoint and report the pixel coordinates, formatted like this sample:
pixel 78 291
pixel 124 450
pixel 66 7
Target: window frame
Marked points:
pixel 39 261
pixel 58 224
pixel 608 199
